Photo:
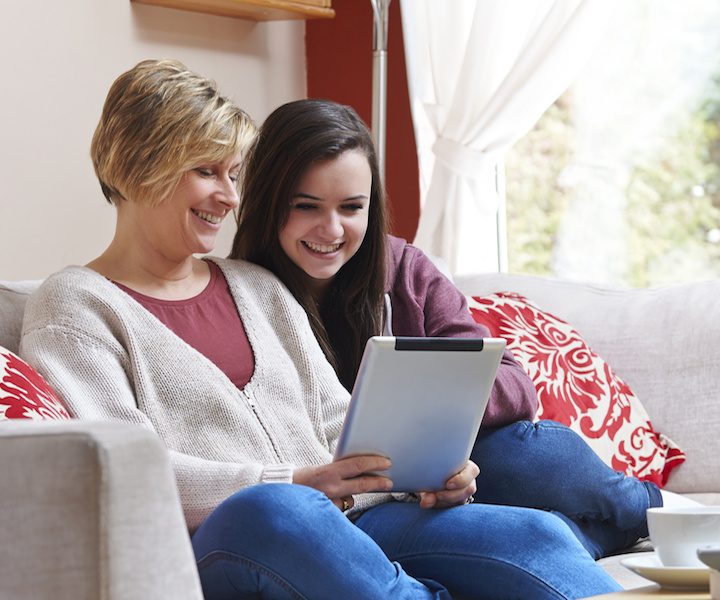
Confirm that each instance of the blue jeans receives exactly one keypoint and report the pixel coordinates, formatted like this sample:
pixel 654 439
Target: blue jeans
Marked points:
pixel 284 541
pixel 548 466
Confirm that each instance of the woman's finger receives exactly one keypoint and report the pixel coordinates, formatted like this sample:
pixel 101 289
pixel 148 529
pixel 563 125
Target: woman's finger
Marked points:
pixel 462 479
pixel 428 499
pixel 358 465
pixel 345 503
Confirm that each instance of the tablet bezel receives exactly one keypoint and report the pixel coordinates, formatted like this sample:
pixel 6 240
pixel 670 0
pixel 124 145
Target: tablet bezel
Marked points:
pixel 401 406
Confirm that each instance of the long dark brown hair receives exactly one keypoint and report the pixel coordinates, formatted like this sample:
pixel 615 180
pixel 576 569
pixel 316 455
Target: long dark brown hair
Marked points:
pixel 293 138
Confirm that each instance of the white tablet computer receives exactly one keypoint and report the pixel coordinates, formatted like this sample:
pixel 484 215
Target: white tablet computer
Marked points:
pixel 419 401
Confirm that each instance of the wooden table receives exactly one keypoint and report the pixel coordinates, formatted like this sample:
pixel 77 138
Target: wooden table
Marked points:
pixel 654 591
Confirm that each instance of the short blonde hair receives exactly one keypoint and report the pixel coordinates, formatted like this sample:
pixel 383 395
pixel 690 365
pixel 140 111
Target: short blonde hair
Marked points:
pixel 159 121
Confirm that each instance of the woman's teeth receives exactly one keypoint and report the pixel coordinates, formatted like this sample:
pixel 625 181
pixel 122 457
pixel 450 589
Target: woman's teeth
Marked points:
pixel 322 248
pixel 210 218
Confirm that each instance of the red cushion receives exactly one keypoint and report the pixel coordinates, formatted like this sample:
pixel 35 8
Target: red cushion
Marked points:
pixel 578 388
pixel 24 394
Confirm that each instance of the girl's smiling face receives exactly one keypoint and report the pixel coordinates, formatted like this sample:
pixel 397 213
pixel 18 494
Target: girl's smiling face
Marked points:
pixel 328 217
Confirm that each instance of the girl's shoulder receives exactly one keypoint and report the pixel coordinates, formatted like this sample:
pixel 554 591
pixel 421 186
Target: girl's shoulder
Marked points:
pixel 399 255
pixel 408 261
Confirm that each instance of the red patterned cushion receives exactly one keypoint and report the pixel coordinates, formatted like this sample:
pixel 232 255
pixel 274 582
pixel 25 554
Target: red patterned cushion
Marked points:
pixel 24 394
pixel 578 388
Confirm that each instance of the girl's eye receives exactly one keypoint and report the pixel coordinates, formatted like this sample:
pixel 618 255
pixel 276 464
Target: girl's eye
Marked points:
pixel 234 177
pixel 354 207
pixel 304 206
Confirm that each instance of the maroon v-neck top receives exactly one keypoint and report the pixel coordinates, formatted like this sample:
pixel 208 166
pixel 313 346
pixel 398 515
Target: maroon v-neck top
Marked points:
pixel 210 323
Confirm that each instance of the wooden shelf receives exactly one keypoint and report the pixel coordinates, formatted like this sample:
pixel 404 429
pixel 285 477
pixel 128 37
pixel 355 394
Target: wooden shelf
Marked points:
pixel 256 10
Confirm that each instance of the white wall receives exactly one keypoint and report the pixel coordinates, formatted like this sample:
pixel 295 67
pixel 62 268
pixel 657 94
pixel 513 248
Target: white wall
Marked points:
pixel 57 61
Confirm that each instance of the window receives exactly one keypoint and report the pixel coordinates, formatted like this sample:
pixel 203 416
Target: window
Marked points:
pixel 619 182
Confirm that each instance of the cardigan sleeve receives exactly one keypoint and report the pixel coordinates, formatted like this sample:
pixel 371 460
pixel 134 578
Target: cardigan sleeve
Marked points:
pixel 90 375
pixel 426 303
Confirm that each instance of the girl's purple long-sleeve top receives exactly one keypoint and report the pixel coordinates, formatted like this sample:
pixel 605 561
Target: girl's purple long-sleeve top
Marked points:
pixel 425 304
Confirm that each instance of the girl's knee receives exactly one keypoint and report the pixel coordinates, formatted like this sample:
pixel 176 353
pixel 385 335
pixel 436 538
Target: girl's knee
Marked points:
pixel 549 532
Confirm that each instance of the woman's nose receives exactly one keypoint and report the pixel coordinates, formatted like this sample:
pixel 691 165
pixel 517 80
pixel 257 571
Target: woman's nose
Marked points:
pixel 230 194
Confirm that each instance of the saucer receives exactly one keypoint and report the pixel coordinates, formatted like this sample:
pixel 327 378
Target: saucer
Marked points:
pixel 649 566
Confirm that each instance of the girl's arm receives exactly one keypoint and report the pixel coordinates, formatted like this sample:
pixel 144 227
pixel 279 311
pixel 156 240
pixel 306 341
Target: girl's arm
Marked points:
pixel 426 303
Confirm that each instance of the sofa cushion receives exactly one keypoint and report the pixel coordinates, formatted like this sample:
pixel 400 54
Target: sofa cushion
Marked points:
pixel 13 296
pixel 578 388
pixel 24 394
pixel 664 342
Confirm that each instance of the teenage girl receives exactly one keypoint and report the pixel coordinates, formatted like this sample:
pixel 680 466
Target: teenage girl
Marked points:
pixel 313 212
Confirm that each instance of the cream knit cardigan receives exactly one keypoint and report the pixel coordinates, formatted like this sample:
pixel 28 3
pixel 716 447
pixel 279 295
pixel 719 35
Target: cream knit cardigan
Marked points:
pixel 110 359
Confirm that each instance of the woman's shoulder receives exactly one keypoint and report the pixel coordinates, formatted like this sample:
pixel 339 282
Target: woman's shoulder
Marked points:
pixel 71 284
pixel 254 282
pixel 257 290
pixel 242 271
pixel 68 298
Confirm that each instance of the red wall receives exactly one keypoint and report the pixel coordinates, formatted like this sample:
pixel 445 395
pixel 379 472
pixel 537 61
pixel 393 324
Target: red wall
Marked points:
pixel 339 65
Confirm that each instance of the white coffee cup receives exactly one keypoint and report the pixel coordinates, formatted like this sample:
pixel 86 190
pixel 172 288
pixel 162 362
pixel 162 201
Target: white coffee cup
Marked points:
pixel 710 555
pixel 677 533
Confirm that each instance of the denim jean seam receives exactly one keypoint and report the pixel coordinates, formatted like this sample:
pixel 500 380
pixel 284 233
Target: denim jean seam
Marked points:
pixel 583 516
pixel 560 595
pixel 223 555
pixel 549 425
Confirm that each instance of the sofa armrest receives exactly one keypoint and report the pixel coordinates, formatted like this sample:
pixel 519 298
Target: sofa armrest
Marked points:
pixel 90 511
pixel 13 297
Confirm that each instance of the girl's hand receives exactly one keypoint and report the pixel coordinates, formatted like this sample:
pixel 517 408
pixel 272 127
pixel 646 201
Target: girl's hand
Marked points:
pixel 458 489
pixel 341 479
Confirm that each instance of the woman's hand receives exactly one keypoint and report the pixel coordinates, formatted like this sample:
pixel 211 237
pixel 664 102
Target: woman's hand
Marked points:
pixel 341 479
pixel 458 489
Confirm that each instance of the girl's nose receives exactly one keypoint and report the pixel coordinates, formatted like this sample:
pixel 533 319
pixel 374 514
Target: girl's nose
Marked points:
pixel 332 226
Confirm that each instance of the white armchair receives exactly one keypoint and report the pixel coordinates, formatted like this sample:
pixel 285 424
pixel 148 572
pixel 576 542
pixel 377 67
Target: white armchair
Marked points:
pixel 90 511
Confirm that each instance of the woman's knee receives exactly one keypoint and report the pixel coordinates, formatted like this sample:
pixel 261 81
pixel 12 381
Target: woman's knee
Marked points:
pixel 273 513
pixel 267 502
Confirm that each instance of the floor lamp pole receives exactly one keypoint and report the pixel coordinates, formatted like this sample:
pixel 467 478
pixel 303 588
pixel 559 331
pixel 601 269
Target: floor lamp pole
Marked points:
pixel 379 87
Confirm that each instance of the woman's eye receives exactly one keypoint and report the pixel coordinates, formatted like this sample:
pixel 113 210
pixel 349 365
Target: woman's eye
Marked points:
pixel 205 172
pixel 234 177
pixel 353 207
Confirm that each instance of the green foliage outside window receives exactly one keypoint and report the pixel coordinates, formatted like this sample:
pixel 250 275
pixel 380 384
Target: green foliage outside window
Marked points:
pixel 672 210
pixel 535 200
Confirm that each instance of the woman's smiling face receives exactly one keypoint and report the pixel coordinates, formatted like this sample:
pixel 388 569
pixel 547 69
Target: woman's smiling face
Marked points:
pixel 328 216
pixel 188 221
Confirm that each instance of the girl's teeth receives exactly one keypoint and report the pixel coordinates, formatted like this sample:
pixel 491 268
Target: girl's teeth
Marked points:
pixel 321 248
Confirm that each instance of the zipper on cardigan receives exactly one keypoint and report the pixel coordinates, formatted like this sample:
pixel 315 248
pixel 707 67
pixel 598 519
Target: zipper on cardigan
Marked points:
pixel 249 399
pixel 253 406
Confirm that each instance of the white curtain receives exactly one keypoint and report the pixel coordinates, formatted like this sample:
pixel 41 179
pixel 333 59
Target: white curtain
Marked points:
pixel 481 73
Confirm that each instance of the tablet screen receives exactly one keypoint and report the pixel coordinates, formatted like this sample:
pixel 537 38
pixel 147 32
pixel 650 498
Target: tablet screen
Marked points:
pixel 420 401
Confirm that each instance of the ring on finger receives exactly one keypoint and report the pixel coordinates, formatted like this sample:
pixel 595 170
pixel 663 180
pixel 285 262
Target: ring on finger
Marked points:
pixel 346 503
